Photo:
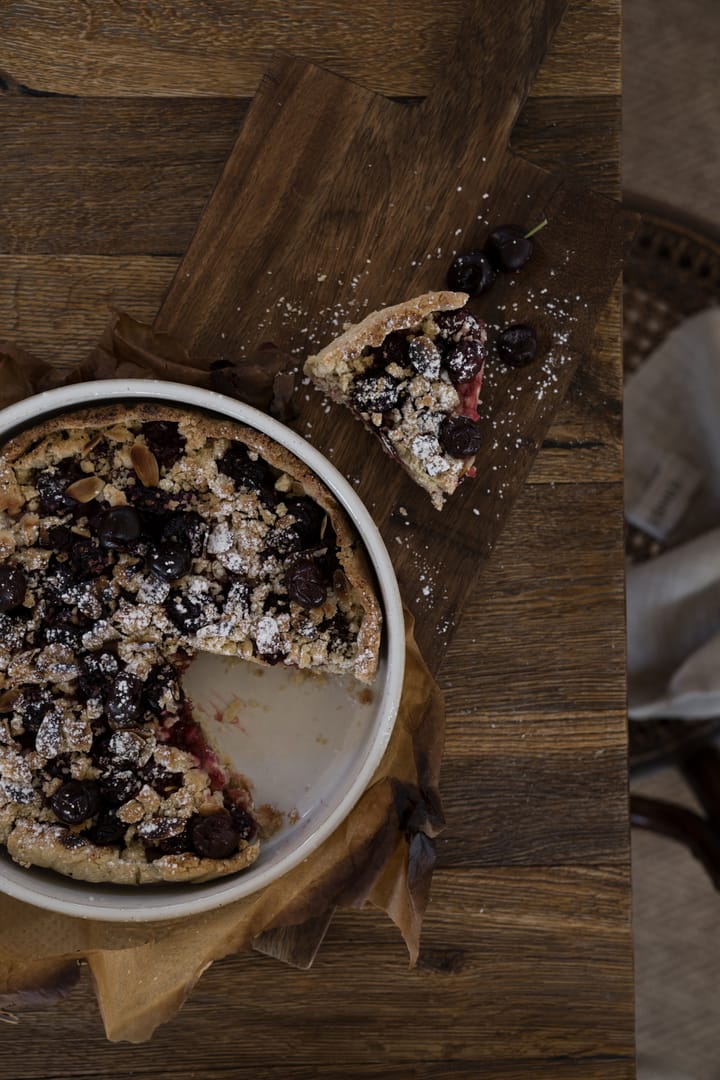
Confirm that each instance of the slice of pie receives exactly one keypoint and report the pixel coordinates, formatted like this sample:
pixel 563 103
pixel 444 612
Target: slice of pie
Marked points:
pixel 130 538
pixel 412 373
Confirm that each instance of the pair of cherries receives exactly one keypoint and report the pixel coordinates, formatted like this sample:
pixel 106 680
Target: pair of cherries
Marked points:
pixel 507 249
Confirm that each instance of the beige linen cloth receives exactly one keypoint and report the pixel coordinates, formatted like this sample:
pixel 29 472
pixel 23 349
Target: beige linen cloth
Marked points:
pixel 672 492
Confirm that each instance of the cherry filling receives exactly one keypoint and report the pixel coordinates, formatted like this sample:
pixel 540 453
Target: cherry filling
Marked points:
pixel 186 734
pixel 470 396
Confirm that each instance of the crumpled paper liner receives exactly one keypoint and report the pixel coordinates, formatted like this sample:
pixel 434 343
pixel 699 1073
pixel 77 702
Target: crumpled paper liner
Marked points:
pixel 383 854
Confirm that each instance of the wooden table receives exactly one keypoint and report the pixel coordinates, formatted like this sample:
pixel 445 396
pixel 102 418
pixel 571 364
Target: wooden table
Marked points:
pixel 114 124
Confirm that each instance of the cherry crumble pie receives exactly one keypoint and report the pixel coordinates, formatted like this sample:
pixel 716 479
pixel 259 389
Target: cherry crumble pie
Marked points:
pixel 412 373
pixel 130 538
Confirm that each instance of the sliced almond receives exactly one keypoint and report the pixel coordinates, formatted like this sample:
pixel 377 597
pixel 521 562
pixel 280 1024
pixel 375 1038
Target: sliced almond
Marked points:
pixel 83 491
pixel 145 465
pixel 341 585
pixel 95 441
pixel 8 699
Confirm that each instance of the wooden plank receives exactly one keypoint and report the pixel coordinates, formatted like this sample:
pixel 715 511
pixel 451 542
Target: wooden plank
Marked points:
pixel 511 800
pixel 120 177
pixel 133 175
pixel 87 47
pixel 544 629
pixel 517 965
pixel 571 135
pixel 57 305
pixel 561 1069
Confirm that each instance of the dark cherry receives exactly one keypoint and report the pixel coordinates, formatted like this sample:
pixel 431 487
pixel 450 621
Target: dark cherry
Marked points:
pixel 276 604
pixel 34 703
pixel 97 673
pixel 108 830
pixel 59 538
pixel 305 583
pixel 464 360
pixel 161 779
pixel 159 681
pixel 168 845
pixel 509 247
pixel 394 349
pixel 184 613
pixel 62 626
pixel 13 584
pixel 164 439
pixel 75 801
pixel 119 787
pixel 284 540
pixel 459 436
pixel 339 631
pixel 53 485
pixel 152 504
pixel 308 518
pixel 186 527
pixel 123 700
pixel 13 630
pixel 453 324
pixel 245 824
pixel 170 561
pixel 60 578
pixel 242 470
pixel 375 392
pixel 300 532
pixel 472 272
pixel 424 356
pixel 59 767
pixel 517 345
pixel 73 840
pixel 88 558
pixel 214 836
pixel 119 527
pixel 100 753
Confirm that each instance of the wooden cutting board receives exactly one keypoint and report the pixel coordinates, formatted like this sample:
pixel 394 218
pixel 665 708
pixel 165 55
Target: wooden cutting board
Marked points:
pixel 335 201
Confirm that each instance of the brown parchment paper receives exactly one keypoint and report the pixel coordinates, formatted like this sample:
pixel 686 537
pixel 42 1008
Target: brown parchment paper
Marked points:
pixel 382 855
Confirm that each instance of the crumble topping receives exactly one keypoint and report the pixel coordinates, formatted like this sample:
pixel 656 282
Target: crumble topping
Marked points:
pixel 124 548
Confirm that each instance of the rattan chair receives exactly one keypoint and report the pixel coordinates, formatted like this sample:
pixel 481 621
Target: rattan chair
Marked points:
pixel 673 271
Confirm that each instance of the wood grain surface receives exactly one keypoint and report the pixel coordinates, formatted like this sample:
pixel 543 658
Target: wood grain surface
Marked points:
pixel 331 204
pixel 526 967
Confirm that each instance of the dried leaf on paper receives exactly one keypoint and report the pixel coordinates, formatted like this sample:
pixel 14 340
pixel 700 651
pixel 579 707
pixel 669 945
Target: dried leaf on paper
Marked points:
pixel 22 374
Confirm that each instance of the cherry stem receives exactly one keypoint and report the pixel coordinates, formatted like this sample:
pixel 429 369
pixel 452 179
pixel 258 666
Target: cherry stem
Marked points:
pixel 537 229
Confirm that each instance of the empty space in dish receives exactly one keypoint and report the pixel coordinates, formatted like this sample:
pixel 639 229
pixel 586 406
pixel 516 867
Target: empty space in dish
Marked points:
pixel 297 737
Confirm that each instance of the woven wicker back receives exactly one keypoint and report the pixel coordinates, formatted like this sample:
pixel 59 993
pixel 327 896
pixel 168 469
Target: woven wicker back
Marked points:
pixel 673 271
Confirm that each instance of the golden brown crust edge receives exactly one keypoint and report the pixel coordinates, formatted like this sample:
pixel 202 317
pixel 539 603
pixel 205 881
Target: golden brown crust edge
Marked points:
pixel 41 844
pixel 376 326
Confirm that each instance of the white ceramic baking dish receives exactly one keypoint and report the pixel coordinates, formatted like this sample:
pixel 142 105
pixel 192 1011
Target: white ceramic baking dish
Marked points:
pixel 309 745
